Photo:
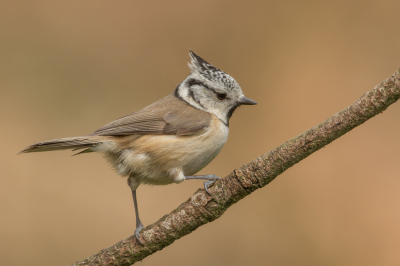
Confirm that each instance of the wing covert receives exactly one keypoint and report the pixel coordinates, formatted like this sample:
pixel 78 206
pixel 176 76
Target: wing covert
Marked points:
pixel 168 116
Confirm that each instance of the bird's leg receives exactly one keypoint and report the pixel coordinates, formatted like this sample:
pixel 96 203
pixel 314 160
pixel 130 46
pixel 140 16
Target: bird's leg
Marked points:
pixel 139 225
pixel 211 179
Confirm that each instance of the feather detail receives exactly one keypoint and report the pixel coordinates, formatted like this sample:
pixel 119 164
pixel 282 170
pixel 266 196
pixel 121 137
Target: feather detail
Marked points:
pixel 81 152
pixel 75 143
pixel 168 116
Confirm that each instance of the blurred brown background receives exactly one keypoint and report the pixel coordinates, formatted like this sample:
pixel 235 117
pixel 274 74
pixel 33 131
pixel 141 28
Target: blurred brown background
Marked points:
pixel 69 67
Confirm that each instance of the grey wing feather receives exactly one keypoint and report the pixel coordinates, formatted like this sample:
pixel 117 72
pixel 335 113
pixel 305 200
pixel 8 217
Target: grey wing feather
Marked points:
pixel 168 116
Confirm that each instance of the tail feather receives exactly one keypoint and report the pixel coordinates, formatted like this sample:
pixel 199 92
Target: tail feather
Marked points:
pixel 75 143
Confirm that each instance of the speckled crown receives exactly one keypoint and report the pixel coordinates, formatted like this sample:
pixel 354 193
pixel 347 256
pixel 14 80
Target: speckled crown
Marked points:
pixel 209 71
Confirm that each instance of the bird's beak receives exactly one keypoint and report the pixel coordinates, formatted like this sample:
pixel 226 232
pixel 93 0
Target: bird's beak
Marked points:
pixel 247 101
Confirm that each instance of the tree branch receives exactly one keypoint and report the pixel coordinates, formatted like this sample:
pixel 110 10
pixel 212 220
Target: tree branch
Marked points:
pixel 202 208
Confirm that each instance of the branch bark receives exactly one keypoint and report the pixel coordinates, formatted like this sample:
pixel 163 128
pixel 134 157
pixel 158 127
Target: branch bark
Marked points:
pixel 202 208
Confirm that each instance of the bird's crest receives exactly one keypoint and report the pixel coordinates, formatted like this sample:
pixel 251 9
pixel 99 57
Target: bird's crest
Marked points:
pixel 210 72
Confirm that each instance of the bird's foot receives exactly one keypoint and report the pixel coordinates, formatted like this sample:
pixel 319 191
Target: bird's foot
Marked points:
pixel 137 233
pixel 211 180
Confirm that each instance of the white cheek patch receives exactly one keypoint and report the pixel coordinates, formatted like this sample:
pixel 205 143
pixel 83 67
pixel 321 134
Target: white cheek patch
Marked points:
pixel 183 93
pixel 207 105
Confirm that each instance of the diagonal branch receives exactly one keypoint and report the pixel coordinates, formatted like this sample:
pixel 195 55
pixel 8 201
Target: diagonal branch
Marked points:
pixel 202 208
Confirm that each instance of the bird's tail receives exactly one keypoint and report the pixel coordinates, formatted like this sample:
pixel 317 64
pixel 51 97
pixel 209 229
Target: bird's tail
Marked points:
pixel 75 143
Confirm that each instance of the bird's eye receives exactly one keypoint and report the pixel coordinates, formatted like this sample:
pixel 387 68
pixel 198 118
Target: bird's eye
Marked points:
pixel 221 96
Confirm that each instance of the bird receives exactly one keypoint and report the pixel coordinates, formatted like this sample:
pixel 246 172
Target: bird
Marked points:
pixel 170 140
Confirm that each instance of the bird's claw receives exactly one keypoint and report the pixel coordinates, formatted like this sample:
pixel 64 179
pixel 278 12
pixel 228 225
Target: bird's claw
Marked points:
pixel 209 182
pixel 137 233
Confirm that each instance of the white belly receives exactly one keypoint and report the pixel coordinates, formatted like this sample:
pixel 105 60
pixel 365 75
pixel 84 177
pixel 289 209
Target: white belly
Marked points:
pixel 204 150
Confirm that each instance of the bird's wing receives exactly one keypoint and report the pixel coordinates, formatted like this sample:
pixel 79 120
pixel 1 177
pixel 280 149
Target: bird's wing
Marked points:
pixel 168 116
